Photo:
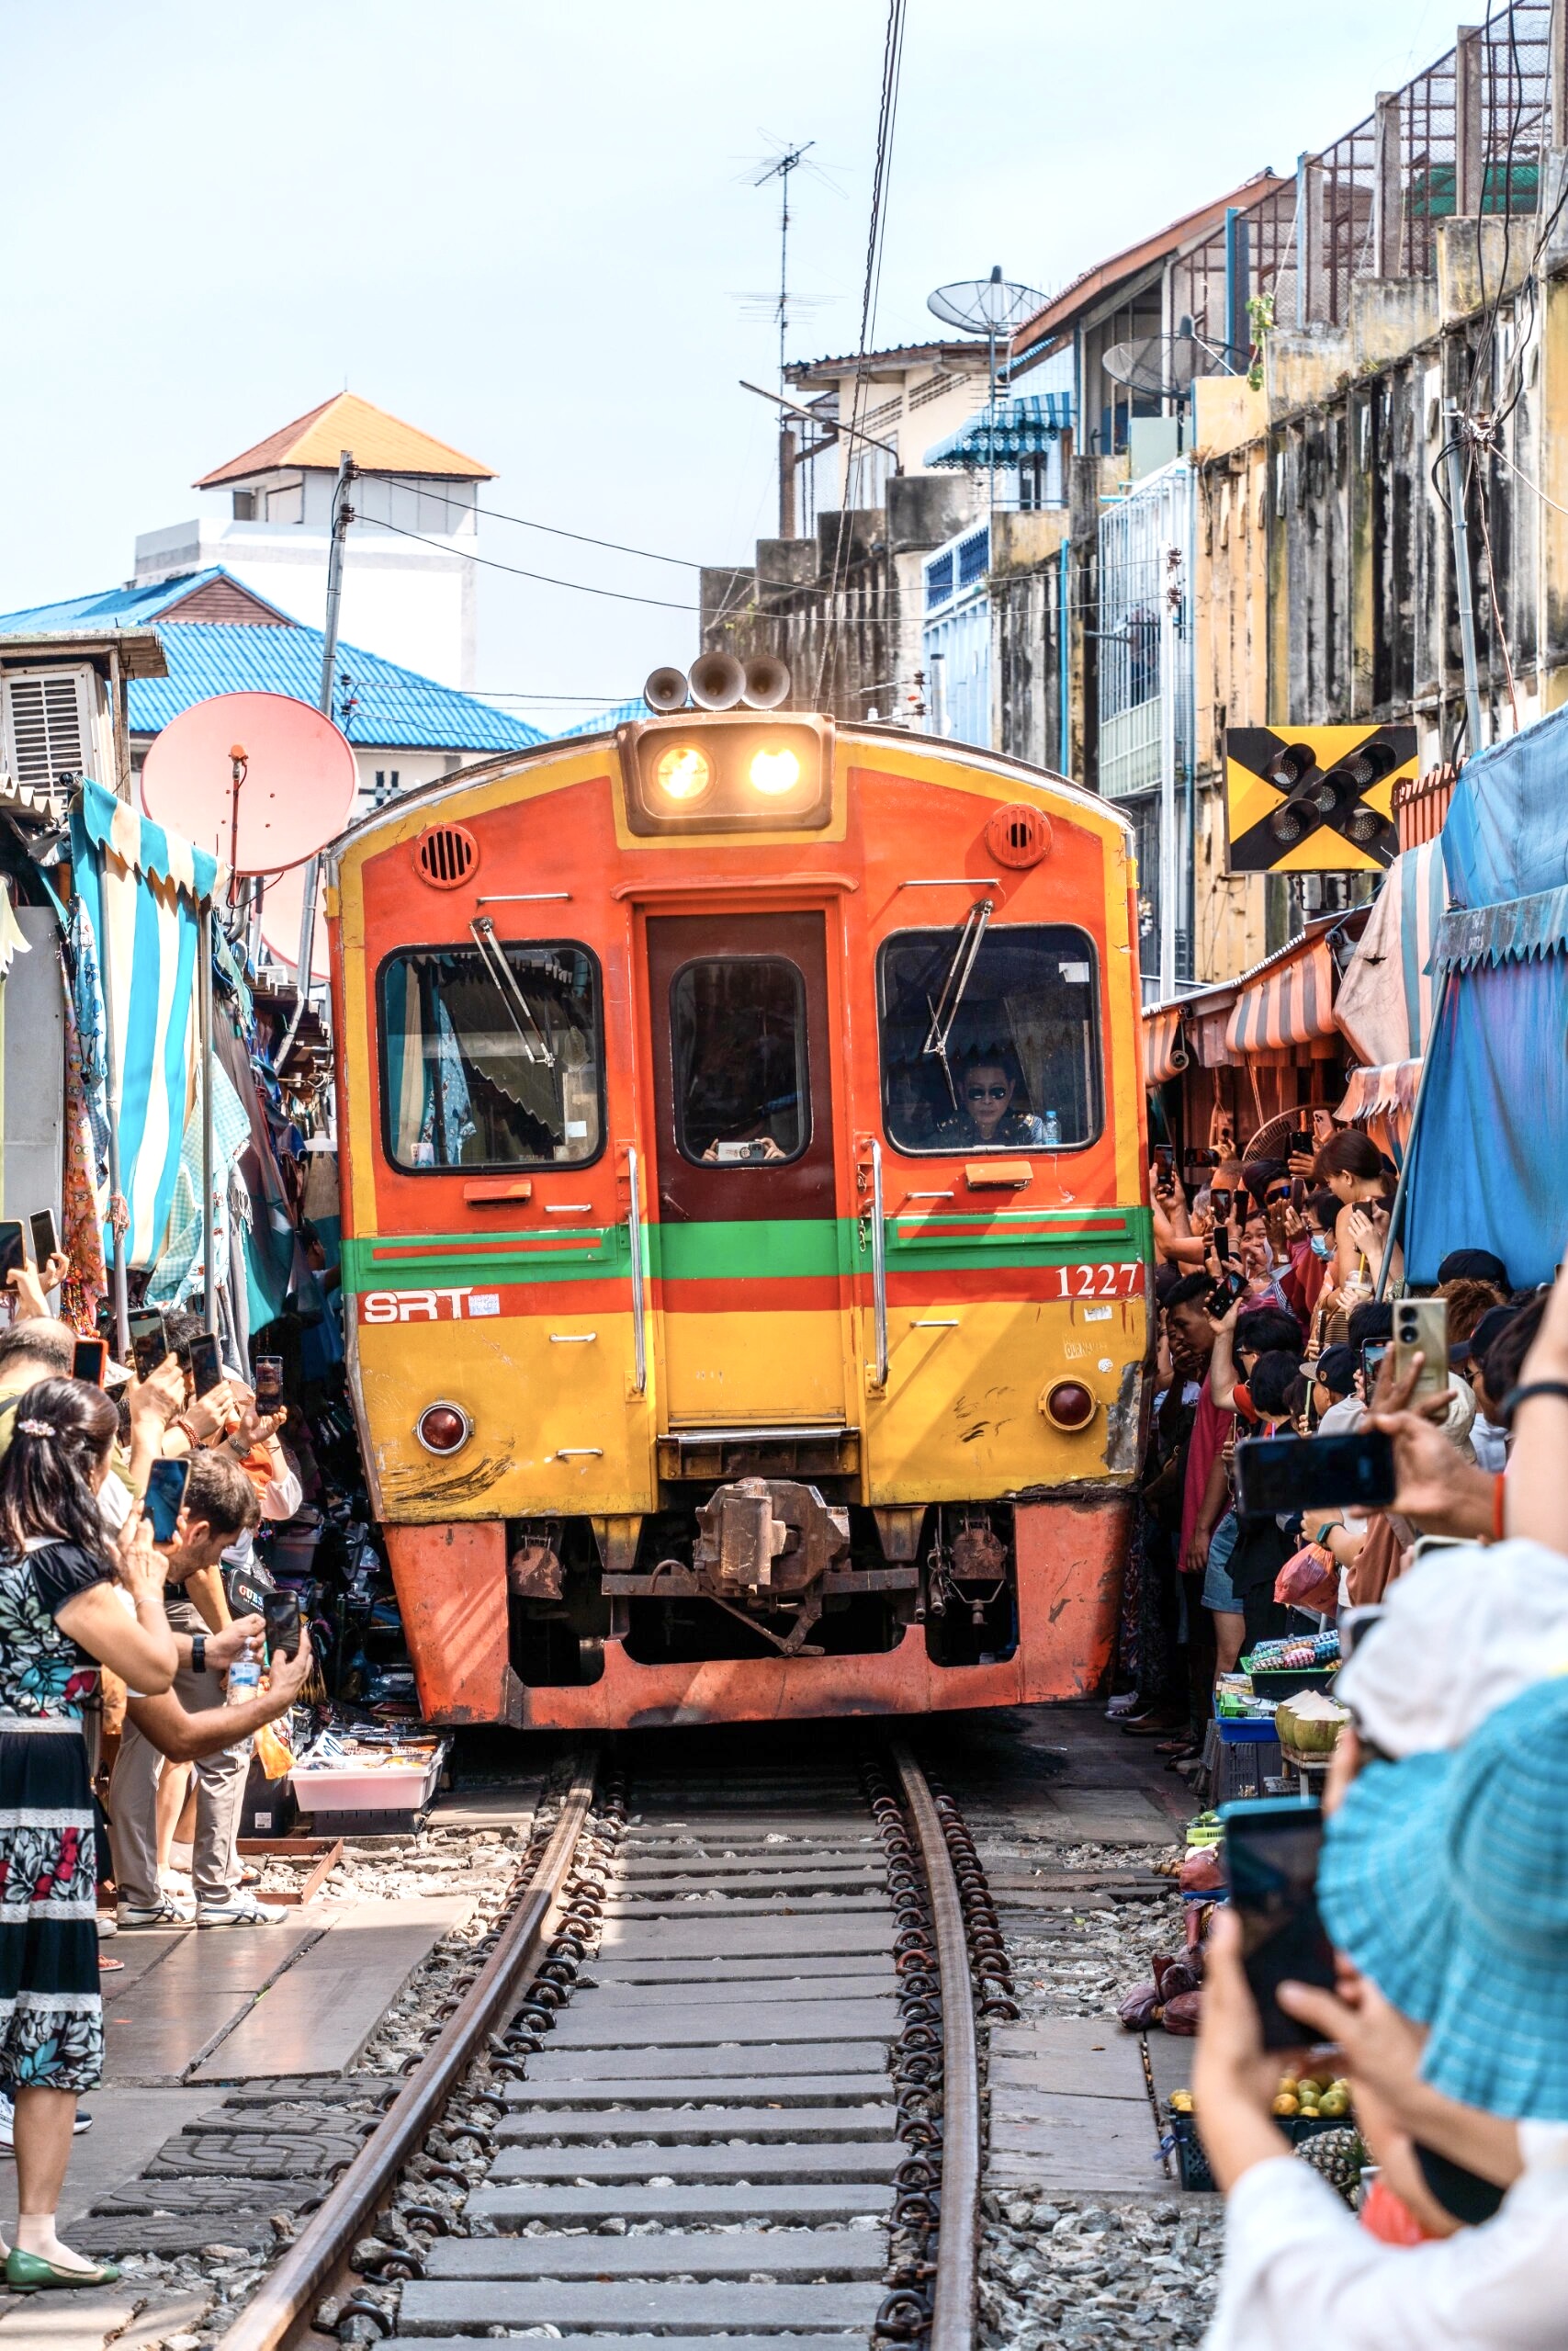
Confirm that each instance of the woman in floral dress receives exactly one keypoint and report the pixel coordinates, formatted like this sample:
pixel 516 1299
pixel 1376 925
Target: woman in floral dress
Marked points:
pixel 61 1617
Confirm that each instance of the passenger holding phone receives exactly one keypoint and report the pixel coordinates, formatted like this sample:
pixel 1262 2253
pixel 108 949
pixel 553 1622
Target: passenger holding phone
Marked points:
pixel 219 1504
pixel 61 1619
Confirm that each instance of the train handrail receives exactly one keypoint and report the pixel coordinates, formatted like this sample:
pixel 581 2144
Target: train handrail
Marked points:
pixel 878 1271
pixel 640 1318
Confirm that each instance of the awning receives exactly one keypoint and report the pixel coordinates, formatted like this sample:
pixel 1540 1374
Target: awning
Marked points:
pixel 1511 933
pixel 1010 430
pixel 1289 1005
pixel 1386 992
pixel 1165 1050
pixel 138 890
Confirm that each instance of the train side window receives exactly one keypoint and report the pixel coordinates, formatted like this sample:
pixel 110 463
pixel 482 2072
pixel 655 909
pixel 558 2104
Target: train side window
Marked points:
pixel 492 1067
pixel 1005 1059
pixel 737 1040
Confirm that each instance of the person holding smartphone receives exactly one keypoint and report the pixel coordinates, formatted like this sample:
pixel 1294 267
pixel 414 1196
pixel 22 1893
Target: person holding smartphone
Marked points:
pixel 220 1503
pixel 61 1619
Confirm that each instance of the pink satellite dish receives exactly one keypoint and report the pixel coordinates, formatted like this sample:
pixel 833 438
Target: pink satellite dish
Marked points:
pixel 299 790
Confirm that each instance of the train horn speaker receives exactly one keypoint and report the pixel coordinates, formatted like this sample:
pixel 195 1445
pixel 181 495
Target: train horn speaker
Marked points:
pixel 666 690
pixel 767 683
pixel 718 681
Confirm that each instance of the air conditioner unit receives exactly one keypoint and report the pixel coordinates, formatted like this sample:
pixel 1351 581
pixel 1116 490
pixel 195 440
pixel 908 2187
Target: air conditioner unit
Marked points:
pixel 56 725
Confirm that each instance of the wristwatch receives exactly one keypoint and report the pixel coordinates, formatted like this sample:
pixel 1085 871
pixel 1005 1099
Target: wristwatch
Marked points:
pixel 198 1652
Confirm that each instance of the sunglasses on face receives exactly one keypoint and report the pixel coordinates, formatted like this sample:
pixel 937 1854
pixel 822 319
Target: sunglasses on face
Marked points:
pixel 986 1093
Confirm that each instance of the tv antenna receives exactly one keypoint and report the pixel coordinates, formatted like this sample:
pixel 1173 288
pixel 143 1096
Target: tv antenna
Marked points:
pixel 1161 367
pixel 995 307
pixel 779 169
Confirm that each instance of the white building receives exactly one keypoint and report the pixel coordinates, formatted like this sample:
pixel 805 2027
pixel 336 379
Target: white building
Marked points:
pixel 409 589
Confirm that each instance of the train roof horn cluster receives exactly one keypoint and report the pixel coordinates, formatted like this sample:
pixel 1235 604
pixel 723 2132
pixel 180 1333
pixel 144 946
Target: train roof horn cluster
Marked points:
pixel 718 682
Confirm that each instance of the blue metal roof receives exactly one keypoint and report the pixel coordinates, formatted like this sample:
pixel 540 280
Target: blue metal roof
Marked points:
pixel 604 721
pixel 1017 428
pixel 378 705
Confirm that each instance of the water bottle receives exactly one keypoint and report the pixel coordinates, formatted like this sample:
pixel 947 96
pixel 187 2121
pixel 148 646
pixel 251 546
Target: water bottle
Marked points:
pixel 1052 1130
pixel 244 1683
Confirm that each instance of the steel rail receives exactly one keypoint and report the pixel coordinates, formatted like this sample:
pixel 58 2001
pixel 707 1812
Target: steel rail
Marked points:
pixel 287 2293
pixel 958 2232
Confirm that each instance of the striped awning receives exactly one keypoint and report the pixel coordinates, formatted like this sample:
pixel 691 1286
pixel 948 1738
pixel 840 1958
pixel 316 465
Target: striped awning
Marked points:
pixel 1382 1101
pixel 140 888
pixel 1165 1048
pixel 1012 429
pixel 1290 1003
pixel 1387 993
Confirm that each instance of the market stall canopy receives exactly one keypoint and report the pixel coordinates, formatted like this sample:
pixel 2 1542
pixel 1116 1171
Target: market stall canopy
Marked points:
pixel 1388 994
pixel 1164 1049
pixel 1289 1002
pixel 1488 1160
pixel 1001 434
pixel 139 890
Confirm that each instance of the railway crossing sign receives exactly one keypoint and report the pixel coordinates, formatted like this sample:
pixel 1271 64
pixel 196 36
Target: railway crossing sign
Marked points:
pixel 1314 799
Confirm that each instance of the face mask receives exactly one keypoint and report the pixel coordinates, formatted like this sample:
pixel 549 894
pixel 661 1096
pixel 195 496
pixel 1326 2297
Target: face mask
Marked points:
pixel 1322 1245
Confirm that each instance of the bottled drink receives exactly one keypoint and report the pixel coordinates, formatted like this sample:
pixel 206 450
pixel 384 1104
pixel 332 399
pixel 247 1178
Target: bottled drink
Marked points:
pixel 244 1681
pixel 1052 1130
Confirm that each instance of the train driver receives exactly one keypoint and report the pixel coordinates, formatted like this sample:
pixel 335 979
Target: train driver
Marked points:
pixel 987 1119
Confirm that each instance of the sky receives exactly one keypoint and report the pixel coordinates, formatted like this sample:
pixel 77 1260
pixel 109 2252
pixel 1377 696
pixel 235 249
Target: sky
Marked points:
pixel 532 230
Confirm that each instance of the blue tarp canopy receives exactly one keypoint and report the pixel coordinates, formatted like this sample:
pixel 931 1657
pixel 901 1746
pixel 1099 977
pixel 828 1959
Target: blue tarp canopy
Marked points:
pixel 1490 1164
pixel 1012 429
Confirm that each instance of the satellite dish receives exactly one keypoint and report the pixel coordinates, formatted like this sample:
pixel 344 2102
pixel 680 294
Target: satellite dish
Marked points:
pixel 1155 366
pixel 994 306
pixel 298 789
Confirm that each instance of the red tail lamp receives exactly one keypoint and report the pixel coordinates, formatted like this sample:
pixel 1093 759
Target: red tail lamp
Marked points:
pixel 442 1429
pixel 1069 1405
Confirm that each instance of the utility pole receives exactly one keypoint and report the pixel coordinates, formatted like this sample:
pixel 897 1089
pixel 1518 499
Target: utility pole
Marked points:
pixel 1169 603
pixel 1460 525
pixel 342 514
pixel 788 161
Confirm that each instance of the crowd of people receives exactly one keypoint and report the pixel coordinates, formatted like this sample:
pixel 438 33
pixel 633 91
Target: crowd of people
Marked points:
pixel 112 1639
pixel 1443 1883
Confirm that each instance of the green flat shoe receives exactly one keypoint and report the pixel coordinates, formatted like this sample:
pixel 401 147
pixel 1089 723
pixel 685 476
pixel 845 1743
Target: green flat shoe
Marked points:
pixel 30 2273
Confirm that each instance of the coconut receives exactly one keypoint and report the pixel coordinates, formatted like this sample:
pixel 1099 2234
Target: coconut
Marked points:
pixel 1311 1722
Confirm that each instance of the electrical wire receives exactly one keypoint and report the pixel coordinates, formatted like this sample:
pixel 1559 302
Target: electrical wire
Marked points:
pixel 888 111
pixel 494 514
pixel 616 595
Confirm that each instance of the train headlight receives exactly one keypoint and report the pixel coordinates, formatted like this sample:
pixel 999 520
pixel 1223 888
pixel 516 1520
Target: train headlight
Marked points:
pixel 442 1429
pixel 1069 1404
pixel 774 771
pixel 683 773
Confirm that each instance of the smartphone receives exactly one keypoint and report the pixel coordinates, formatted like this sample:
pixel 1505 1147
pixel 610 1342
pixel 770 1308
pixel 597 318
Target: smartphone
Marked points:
pixel 89 1360
pixel 1220 1201
pixel 165 1493
pixel 45 1236
pixel 1421 1325
pixel 206 1363
pixel 281 1610
pixel 1300 1146
pixel 1164 1163
pixel 1372 1354
pixel 1277 1475
pixel 269 1383
pixel 148 1343
pixel 1271 1849
pixel 13 1247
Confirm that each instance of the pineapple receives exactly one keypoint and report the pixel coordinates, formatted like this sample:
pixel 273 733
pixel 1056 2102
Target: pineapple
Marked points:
pixel 1337 2157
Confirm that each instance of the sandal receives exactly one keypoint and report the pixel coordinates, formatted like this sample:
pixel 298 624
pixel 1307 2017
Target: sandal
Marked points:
pixel 30 2273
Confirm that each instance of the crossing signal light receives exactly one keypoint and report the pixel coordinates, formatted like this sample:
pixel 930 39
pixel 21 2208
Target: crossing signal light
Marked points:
pixel 1314 799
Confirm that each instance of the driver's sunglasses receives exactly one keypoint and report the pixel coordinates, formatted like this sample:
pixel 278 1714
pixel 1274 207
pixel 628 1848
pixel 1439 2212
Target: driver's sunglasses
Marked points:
pixel 985 1093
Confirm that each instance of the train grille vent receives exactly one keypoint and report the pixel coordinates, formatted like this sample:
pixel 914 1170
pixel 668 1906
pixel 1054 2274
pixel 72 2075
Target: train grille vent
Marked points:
pixel 1018 835
pixel 445 855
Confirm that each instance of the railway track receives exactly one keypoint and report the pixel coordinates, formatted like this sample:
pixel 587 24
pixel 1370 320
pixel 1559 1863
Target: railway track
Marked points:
pixel 718 2076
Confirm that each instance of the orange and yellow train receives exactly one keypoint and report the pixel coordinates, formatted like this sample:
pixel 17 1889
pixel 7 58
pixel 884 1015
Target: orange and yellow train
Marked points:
pixel 746 1248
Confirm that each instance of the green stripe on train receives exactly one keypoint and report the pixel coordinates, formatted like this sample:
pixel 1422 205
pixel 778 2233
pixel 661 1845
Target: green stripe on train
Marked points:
pixel 764 1249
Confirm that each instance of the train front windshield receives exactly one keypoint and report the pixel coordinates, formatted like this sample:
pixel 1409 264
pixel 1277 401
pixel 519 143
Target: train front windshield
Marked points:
pixel 993 1050
pixel 493 1056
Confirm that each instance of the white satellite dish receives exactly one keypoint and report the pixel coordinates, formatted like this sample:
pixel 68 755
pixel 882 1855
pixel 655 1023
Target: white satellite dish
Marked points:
pixel 994 306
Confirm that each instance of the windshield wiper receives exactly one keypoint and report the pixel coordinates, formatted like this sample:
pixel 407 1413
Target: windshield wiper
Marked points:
pixel 531 1038
pixel 944 1012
